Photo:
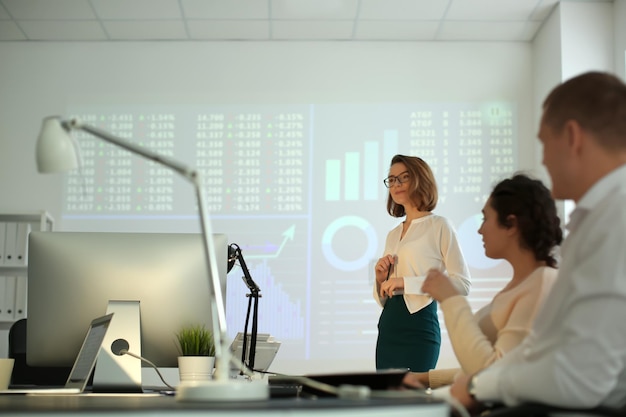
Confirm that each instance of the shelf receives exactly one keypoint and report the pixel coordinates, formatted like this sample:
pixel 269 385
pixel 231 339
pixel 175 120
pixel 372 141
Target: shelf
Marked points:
pixel 14 231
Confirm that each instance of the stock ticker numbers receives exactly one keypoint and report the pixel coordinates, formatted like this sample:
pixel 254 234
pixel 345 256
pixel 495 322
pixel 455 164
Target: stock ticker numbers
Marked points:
pixel 478 140
pixel 112 180
pixel 250 162
pixel 253 162
pixel 256 160
pixel 156 182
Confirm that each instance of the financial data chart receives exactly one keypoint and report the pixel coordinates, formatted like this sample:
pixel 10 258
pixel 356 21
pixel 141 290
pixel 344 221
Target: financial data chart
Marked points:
pixel 299 188
pixel 251 162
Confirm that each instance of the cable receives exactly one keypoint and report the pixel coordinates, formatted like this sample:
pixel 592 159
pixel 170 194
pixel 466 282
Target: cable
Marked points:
pixel 126 352
pixel 120 347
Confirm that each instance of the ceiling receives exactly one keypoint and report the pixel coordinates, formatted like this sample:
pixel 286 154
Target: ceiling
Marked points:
pixel 273 20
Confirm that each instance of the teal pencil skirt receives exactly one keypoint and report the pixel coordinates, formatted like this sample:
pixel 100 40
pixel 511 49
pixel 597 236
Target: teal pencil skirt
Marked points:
pixel 407 340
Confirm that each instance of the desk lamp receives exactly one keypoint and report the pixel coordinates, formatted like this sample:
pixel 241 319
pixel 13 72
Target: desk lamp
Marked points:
pixel 58 151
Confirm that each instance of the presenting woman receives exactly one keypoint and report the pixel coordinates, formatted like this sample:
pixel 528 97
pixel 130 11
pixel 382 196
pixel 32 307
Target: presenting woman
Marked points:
pixel 408 328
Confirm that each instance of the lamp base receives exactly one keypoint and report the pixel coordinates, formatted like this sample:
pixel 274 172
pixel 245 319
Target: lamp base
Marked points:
pixel 227 390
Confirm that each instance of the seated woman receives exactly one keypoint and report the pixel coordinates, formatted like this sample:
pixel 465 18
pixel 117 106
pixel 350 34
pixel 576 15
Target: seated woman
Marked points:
pixel 521 226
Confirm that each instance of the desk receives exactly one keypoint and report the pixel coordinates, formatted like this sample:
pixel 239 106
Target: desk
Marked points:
pixel 117 406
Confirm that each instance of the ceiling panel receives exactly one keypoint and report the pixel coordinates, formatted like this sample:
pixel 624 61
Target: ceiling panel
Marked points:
pixel 137 9
pixel 57 30
pixel 403 9
pixel 49 9
pixel 225 9
pixel 282 20
pixel 480 10
pixel 4 15
pixel 9 31
pixel 146 30
pixel 316 10
pixel 543 9
pixel 312 30
pixel 229 29
pixel 483 31
pixel 394 30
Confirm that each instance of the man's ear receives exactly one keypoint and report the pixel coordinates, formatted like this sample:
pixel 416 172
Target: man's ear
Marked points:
pixel 574 135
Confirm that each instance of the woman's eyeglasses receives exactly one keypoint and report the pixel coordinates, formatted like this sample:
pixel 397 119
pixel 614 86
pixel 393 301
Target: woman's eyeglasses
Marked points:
pixel 392 180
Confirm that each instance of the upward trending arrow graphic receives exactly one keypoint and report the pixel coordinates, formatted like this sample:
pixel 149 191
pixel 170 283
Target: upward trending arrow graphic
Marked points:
pixel 287 235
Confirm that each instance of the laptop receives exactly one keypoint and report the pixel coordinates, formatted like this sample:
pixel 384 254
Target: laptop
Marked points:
pixel 83 365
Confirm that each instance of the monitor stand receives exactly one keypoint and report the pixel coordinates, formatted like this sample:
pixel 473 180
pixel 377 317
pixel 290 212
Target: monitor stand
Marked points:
pixel 114 372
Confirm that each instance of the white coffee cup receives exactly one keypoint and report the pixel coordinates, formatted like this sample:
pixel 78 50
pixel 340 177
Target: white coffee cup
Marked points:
pixel 6 368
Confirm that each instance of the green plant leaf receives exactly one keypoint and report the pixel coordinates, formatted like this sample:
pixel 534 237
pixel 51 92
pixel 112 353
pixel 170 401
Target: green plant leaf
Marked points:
pixel 195 340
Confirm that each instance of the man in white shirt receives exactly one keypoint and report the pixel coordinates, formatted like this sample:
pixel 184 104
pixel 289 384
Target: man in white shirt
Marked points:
pixel 575 355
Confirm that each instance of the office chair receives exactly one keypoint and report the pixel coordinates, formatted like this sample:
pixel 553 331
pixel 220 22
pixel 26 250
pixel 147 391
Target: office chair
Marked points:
pixel 542 410
pixel 23 374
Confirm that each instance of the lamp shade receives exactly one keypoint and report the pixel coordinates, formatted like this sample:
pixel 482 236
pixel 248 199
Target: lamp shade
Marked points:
pixel 55 148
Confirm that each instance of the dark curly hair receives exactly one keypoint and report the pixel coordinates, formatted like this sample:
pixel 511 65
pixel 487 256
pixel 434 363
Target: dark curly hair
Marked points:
pixel 535 212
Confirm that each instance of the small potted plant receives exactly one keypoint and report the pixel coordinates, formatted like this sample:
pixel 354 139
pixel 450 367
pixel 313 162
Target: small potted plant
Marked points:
pixel 197 353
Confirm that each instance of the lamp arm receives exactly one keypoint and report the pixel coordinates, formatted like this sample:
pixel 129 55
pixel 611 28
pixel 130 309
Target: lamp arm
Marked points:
pixel 252 286
pixel 218 312
pixel 182 169
pixel 254 294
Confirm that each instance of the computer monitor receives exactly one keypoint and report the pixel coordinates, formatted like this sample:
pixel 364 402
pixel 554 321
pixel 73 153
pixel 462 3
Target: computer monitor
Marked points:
pixel 73 275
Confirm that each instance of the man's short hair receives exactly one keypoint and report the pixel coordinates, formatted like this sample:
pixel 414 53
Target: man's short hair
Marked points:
pixel 596 101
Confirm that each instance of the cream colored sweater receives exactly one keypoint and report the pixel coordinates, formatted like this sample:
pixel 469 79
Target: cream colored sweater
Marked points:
pixel 482 338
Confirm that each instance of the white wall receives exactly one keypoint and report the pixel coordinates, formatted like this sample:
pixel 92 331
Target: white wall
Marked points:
pixel 547 63
pixel 586 37
pixel 619 17
pixel 577 37
pixel 40 79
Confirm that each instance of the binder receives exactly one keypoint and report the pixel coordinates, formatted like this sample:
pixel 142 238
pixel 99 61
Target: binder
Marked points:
pixel 3 233
pixel 3 284
pixel 10 240
pixel 9 300
pixel 21 287
pixel 21 243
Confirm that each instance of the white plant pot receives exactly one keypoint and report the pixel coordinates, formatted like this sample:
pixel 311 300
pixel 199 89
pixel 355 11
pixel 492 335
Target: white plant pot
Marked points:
pixel 196 368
